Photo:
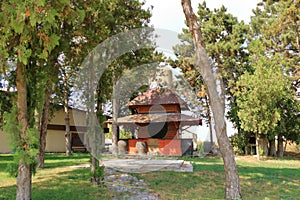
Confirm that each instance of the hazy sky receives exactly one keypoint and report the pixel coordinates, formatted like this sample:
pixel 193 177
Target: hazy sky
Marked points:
pixel 168 14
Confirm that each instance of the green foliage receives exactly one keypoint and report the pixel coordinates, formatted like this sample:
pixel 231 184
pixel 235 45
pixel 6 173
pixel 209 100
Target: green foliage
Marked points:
pixel 262 96
pixel 124 134
pixel 25 148
pixel 99 172
pixel 11 127
pixel 239 141
pixel 261 152
pixel 224 37
pixel 200 148
pixel 265 98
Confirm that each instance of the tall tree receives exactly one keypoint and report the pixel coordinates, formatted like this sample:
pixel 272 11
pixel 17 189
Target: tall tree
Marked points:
pixel 262 95
pixel 276 27
pixel 43 123
pixel 224 38
pixel 47 83
pixel 126 15
pixel 217 102
pixel 29 33
pixel 66 76
pixel 101 21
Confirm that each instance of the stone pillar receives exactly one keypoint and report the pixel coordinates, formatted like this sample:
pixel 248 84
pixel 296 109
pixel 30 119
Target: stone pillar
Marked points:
pixel 122 146
pixel 141 148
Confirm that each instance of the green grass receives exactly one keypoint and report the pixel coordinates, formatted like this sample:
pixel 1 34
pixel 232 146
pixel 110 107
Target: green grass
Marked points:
pixel 56 181
pixel 268 179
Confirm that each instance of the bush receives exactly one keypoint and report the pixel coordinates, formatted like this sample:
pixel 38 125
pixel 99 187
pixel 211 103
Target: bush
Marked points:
pixel 200 148
pixel 239 141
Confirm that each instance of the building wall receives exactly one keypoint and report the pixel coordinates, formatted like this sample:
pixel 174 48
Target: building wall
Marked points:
pixel 55 141
pixel 4 142
pixel 59 118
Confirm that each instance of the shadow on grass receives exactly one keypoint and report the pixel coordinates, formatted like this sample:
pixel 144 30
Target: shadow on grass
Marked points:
pixel 5 160
pixel 258 181
pixel 8 193
pixel 66 185
pixel 60 160
pixel 62 156
pixel 51 160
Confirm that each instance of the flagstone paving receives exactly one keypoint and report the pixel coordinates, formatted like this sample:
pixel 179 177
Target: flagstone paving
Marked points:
pixel 126 186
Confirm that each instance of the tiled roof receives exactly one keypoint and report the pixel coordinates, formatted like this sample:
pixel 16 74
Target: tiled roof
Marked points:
pixel 157 96
pixel 156 118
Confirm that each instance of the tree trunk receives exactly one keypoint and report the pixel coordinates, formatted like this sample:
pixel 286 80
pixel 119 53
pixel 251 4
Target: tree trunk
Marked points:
pixel 43 129
pixel 217 103
pixel 210 124
pixel 280 148
pixel 257 146
pixel 24 182
pixel 67 118
pixel 285 145
pixel 94 145
pixel 272 147
pixel 24 170
pixel 114 117
pixel 94 163
pixel 94 166
pixel 67 133
pixel 264 145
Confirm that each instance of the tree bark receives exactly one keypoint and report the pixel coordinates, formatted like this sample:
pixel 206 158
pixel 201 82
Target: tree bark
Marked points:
pixel 67 118
pixel 94 135
pixel 114 117
pixel 217 103
pixel 280 149
pixel 67 133
pixel 94 163
pixel 24 170
pixel 43 129
pixel 257 146
pixel 272 147
pixel 210 124
pixel 264 145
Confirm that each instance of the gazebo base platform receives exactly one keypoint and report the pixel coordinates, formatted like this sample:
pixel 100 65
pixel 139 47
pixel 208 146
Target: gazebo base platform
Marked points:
pixel 170 147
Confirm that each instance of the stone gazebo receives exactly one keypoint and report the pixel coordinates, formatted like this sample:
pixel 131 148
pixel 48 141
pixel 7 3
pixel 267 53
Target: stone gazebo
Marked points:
pixel 157 118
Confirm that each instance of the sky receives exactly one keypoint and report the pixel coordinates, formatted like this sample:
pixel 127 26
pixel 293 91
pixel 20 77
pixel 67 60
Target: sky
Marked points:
pixel 168 14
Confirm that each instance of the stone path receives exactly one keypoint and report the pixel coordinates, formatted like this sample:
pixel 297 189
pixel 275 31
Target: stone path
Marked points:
pixel 129 187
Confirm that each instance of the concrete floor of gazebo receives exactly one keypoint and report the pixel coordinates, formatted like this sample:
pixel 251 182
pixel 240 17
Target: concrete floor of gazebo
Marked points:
pixel 141 166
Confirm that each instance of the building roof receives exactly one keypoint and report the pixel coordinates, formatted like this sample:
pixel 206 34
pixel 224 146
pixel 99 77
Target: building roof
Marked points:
pixel 157 118
pixel 157 96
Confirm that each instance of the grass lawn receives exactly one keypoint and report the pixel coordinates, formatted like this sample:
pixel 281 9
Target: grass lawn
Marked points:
pixel 267 179
pixel 56 181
